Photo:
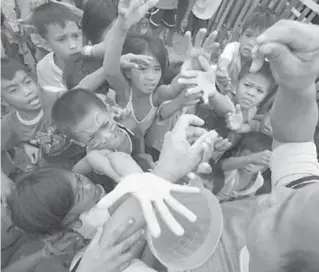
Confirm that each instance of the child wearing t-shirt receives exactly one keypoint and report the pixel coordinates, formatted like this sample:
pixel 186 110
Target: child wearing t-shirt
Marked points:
pixel 59 26
pixel 30 126
pixel 232 117
pixel 237 55
pixel 243 173
pixel 198 14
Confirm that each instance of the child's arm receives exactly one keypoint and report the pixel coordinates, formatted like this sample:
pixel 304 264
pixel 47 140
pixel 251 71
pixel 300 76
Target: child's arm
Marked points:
pixel 168 92
pixel 96 160
pixel 167 110
pixel 261 158
pixel 111 63
pixel 92 81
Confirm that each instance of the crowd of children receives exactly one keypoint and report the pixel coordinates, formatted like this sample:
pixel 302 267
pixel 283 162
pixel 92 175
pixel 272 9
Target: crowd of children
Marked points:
pixel 106 102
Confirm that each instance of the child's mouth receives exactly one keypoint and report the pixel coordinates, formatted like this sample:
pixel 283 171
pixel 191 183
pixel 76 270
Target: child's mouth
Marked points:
pixel 34 102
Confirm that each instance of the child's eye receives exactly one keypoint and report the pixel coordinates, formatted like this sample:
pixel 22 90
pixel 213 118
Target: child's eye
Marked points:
pixel 142 68
pixel 28 81
pixel 62 39
pixel 260 91
pixel 12 90
pixel 158 69
pixel 246 84
pixel 76 35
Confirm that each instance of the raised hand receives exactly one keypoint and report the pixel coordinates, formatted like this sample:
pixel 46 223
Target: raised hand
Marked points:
pixel 153 192
pixel 34 153
pixel 203 80
pixel 134 61
pixel 132 11
pixel 179 147
pixel 235 120
pixel 205 47
pixel 293 51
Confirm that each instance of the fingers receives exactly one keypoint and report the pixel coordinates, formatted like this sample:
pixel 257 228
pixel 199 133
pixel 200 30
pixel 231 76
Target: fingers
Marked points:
pixel 195 132
pixel 96 239
pixel 150 217
pixel 168 218
pixel 257 62
pixel 204 64
pixel 114 237
pixel 208 137
pixel 199 39
pixel 188 81
pixel 210 40
pixel 189 43
pixel 196 90
pixel 187 120
pixel 238 109
pixel 181 209
pixel 189 73
pixel 184 189
pixel 204 168
pixel 125 245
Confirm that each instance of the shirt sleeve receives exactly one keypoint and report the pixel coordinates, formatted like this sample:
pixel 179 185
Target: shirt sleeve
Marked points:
pixel 230 51
pixel 9 138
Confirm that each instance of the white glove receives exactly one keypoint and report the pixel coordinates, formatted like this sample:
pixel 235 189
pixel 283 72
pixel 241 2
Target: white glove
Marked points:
pixel 152 190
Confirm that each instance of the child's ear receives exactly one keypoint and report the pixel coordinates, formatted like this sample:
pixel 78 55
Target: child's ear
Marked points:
pixel 128 73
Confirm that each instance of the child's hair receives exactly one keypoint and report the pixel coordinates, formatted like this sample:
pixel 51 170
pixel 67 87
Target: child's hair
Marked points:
pixel 139 44
pixel 97 17
pixel 9 67
pixel 78 67
pixel 254 142
pixel 260 20
pixel 264 71
pixel 171 72
pixel 72 107
pixel 52 13
pixel 41 200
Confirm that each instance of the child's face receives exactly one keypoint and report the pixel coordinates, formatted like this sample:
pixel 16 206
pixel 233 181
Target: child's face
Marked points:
pixel 98 130
pixel 86 193
pixel 248 41
pixel 273 232
pixel 65 41
pixel 252 89
pixel 146 78
pixel 21 92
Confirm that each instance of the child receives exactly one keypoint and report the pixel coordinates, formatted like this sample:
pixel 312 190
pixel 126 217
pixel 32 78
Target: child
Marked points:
pixel 243 173
pixel 139 89
pixel 228 120
pixel 58 25
pixel 30 126
pixel 168 113
pixel 198 14
pixel 237 55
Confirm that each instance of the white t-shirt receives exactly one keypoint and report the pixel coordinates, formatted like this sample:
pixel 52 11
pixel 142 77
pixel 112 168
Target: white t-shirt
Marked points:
pixel 205 9
pixel 232 54
pixel 49 74
pixel 231 182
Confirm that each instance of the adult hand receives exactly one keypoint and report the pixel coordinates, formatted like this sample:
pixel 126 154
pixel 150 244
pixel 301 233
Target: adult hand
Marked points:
pixel 293 51
pixel 109 252
pixel 178 156
pixel 132 11
pixel 205 47
pixel 134 61
pixel 184 23
pixel 235 119
pixel 221 144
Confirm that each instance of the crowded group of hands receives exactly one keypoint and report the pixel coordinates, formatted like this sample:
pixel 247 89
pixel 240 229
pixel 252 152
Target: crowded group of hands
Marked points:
pixel 188 147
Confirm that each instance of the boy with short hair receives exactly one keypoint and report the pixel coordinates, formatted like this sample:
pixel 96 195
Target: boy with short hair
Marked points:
pixel 59 26
pixel 238 55
pixel 30 125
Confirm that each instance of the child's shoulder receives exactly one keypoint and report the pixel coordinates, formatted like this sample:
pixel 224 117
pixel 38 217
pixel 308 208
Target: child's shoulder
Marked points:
pixel 46 61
